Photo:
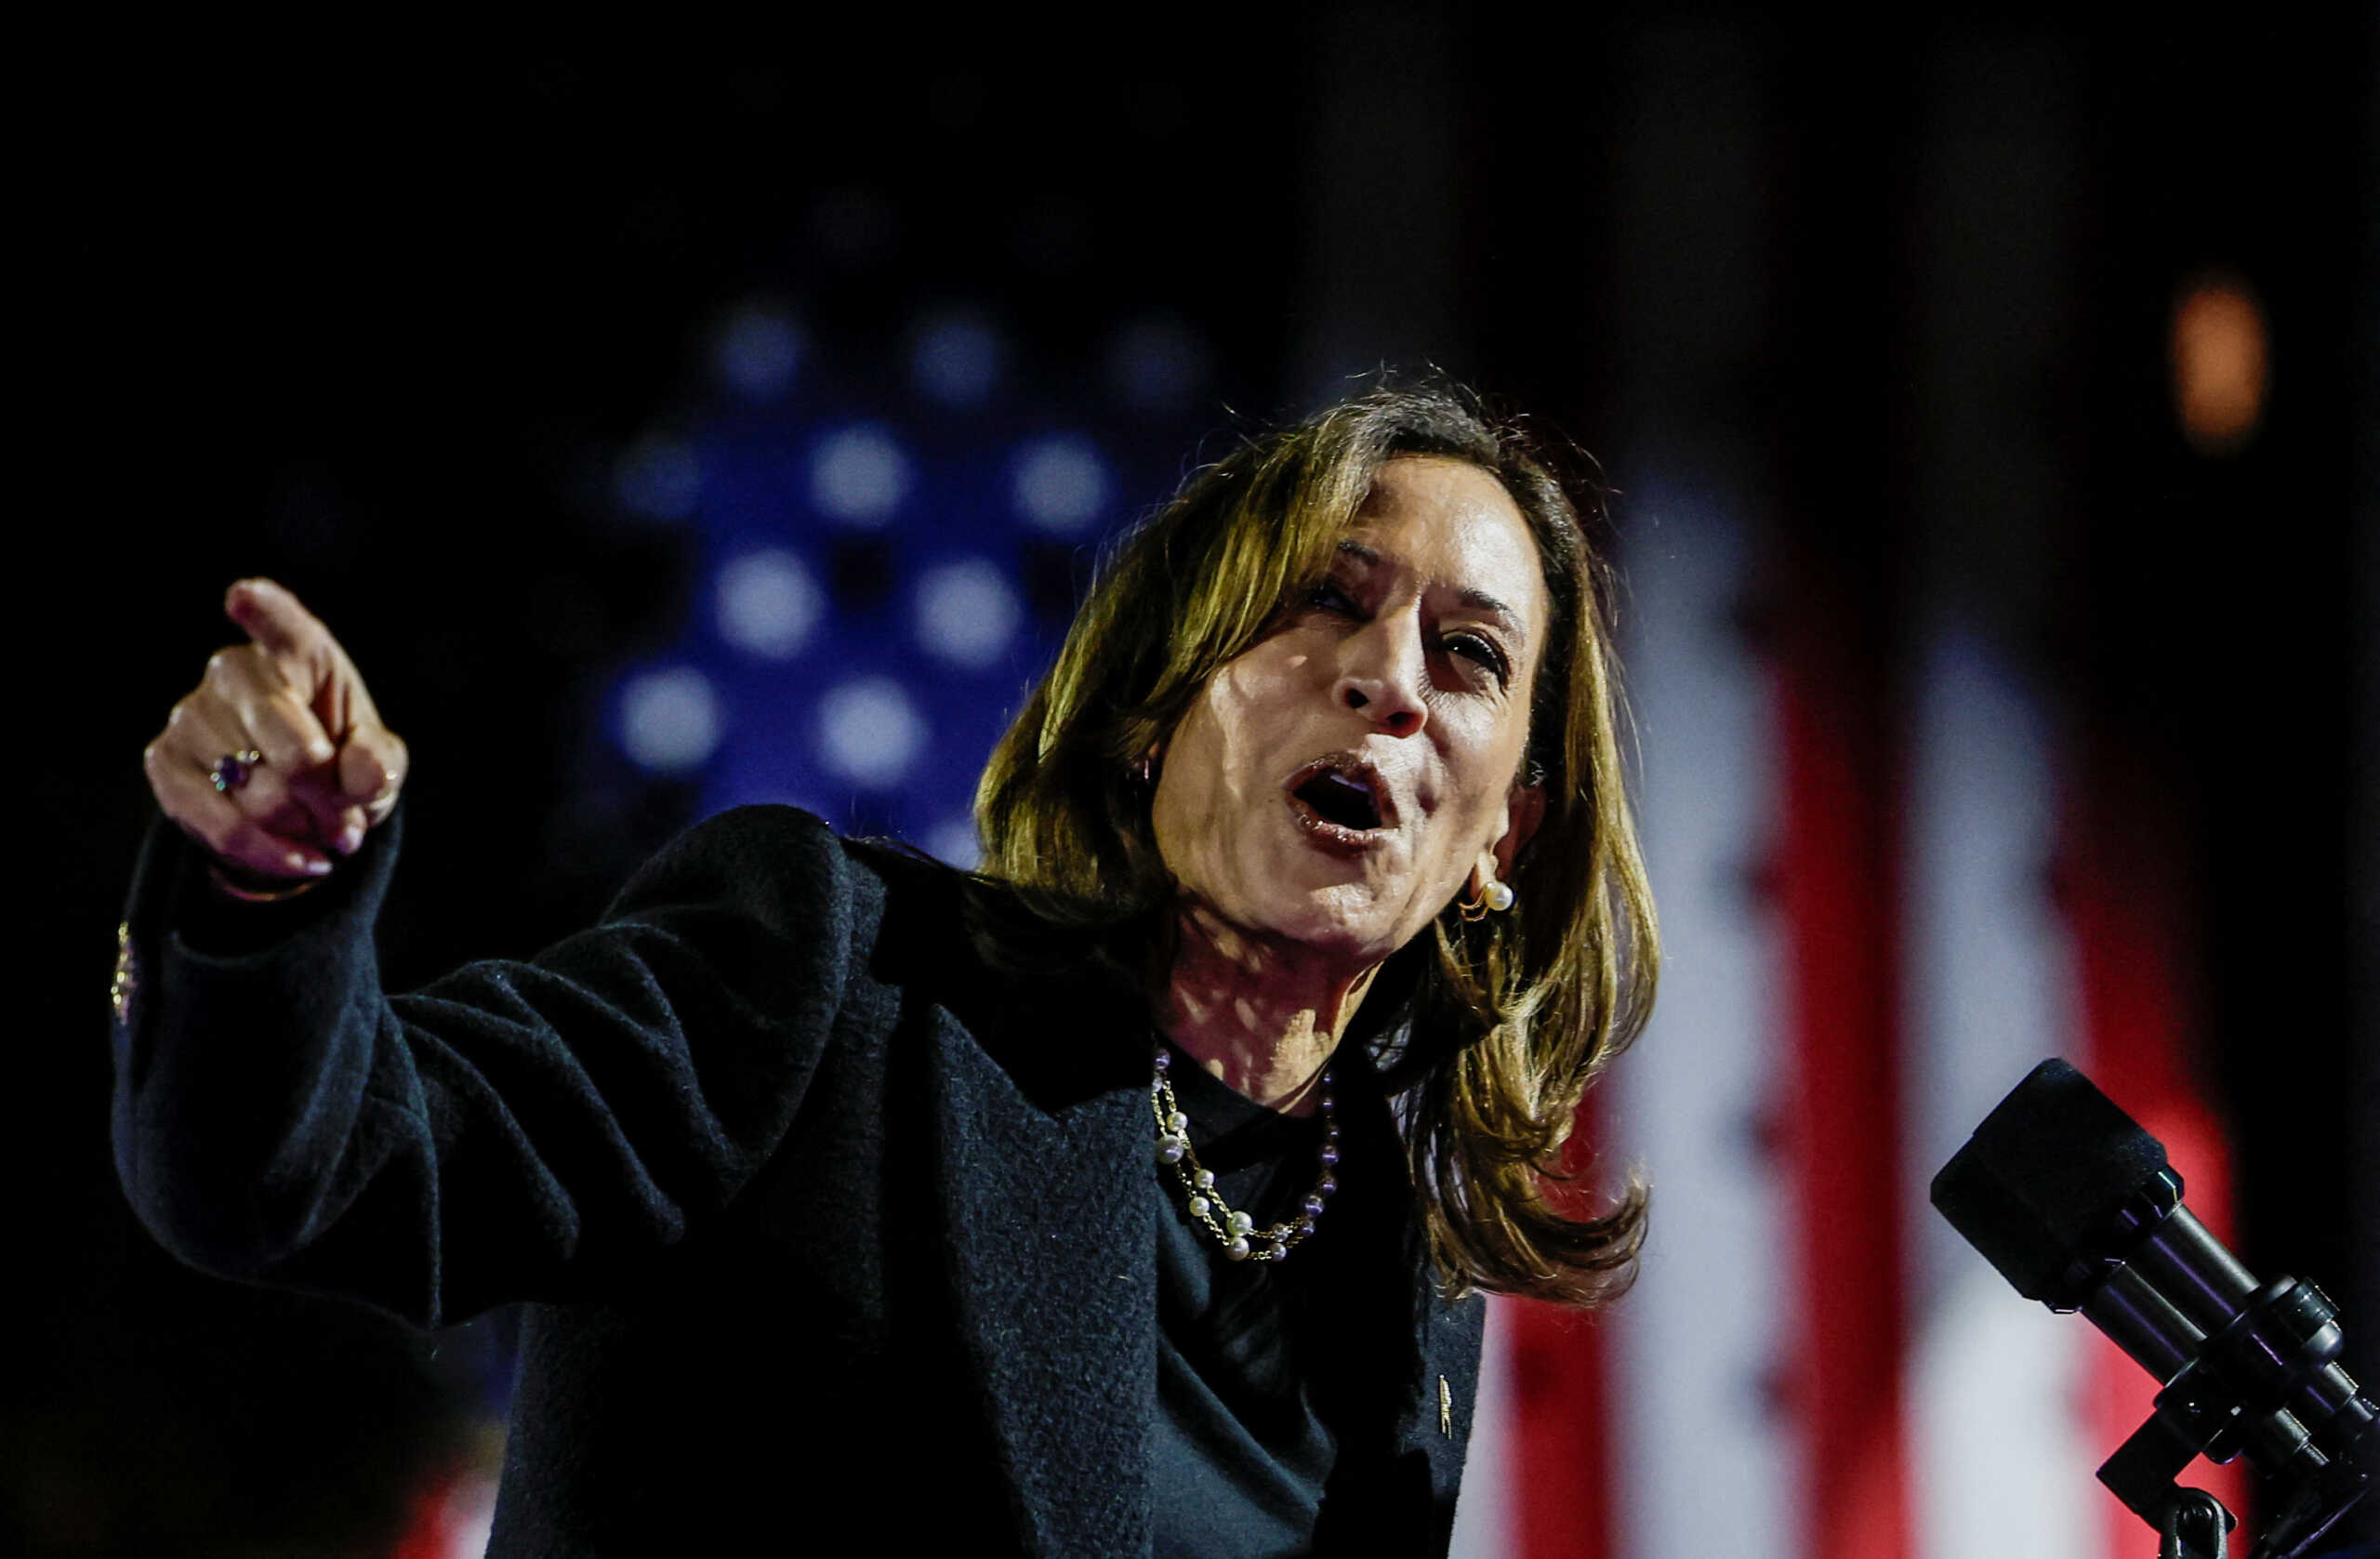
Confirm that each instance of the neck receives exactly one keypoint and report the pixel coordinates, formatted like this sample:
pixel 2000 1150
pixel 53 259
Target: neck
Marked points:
pixel 1262 1014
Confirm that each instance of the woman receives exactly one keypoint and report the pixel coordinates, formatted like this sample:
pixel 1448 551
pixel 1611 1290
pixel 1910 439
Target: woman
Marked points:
pixel 1122 1198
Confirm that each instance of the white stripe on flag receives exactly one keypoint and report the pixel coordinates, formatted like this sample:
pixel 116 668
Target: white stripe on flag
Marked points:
pixel 2001 1456
pixel 1703 1464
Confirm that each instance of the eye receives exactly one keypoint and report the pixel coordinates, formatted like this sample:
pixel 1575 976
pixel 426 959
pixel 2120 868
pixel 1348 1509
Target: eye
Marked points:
pixel 1330 595
pixel 1482 651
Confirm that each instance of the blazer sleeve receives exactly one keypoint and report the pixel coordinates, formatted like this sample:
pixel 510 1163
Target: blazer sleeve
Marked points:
pixel 516 1130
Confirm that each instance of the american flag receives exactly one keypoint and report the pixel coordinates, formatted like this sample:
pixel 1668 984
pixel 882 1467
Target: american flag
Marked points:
pixel 1883 900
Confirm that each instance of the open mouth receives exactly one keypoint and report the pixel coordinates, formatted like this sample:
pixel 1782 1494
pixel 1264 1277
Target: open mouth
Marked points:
pixel 1343 799
pixel 1339 800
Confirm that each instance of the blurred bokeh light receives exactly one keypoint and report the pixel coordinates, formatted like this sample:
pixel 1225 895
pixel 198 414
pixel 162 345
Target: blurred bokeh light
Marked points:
pixel 2221 365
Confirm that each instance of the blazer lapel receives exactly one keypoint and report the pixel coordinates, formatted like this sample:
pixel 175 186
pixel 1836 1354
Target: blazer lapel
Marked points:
pixel 1439 1426
pixel 1045 1131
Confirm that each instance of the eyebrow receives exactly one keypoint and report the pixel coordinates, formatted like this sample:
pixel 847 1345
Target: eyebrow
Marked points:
pixel 1479 600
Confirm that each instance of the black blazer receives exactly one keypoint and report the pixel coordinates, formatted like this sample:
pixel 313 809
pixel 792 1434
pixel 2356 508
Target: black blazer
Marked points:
pixel 807 1200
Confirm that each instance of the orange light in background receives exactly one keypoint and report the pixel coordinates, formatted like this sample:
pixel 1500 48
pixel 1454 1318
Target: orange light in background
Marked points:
pixel 2221 365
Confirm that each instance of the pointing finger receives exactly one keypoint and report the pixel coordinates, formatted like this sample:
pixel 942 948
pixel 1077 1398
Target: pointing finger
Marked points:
pixel 268 613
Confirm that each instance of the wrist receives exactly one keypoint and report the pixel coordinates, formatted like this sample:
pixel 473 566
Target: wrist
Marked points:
pixel 248 887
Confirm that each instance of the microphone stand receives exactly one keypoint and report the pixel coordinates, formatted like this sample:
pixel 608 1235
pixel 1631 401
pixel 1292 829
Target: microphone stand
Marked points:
pixel 2077 1206
pixel 2195 1524
pixel 2246 1368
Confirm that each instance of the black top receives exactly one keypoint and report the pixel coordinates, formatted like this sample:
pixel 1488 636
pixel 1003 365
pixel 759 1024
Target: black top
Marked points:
pixel 1271 1374
pixel 802 1195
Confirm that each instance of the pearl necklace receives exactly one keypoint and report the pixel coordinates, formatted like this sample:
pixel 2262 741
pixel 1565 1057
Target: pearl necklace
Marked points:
pixel 1241 1240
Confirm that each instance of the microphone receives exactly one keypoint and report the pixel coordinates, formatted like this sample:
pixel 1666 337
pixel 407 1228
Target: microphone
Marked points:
pixel 2077 1206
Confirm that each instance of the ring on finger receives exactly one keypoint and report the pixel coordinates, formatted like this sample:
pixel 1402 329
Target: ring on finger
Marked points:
pixel 232 769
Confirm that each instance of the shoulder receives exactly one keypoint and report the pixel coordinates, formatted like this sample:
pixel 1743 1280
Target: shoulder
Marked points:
pixel 904 916
pixel 756 860
pixel 789 869
pixel 771 841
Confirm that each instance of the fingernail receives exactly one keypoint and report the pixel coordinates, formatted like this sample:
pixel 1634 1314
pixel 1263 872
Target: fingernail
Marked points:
pixel 312 866
pixel 349 840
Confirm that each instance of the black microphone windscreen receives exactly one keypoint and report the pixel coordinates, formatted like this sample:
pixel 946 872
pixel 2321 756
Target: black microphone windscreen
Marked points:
pixel 2042 1178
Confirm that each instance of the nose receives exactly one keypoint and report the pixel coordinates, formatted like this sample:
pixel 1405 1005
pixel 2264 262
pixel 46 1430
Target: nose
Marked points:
pixel 1383 675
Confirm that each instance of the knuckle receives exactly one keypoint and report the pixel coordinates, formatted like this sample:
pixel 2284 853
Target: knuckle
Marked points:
pixel 264 795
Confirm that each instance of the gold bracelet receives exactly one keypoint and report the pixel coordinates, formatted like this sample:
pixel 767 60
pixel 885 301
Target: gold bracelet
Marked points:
pixel 223 883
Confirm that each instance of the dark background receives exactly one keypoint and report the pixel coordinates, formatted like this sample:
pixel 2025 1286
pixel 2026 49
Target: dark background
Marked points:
pixel 373 318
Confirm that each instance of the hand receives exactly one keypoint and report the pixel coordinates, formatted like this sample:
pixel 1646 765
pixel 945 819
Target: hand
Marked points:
pixel 330 770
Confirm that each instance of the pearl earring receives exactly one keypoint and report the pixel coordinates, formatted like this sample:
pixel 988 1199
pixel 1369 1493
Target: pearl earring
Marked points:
pixel 1492 895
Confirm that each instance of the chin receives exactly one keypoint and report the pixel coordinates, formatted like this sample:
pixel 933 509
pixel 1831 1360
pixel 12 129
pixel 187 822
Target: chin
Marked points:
pixel 1344 921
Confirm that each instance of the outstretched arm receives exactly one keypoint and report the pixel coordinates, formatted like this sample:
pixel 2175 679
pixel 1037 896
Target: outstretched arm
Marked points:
pixel 518 1129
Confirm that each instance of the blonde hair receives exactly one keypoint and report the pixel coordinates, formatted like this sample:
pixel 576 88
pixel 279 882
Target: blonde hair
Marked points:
pixel 1493 1030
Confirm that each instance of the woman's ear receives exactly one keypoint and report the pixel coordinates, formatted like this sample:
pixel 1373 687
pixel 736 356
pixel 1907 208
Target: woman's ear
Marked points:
pixel 1524 810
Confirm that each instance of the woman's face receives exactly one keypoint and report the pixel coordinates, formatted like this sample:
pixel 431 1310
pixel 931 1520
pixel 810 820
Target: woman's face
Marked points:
pixel 1339 782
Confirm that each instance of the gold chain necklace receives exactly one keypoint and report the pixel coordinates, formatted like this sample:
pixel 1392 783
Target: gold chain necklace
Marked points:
pixel 1241 1240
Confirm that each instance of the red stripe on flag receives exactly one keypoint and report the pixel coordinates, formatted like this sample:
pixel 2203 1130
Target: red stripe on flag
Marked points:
pixel 1560 1443
pixel 1559 1446
pixel 1837 884
pixel 2126 913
